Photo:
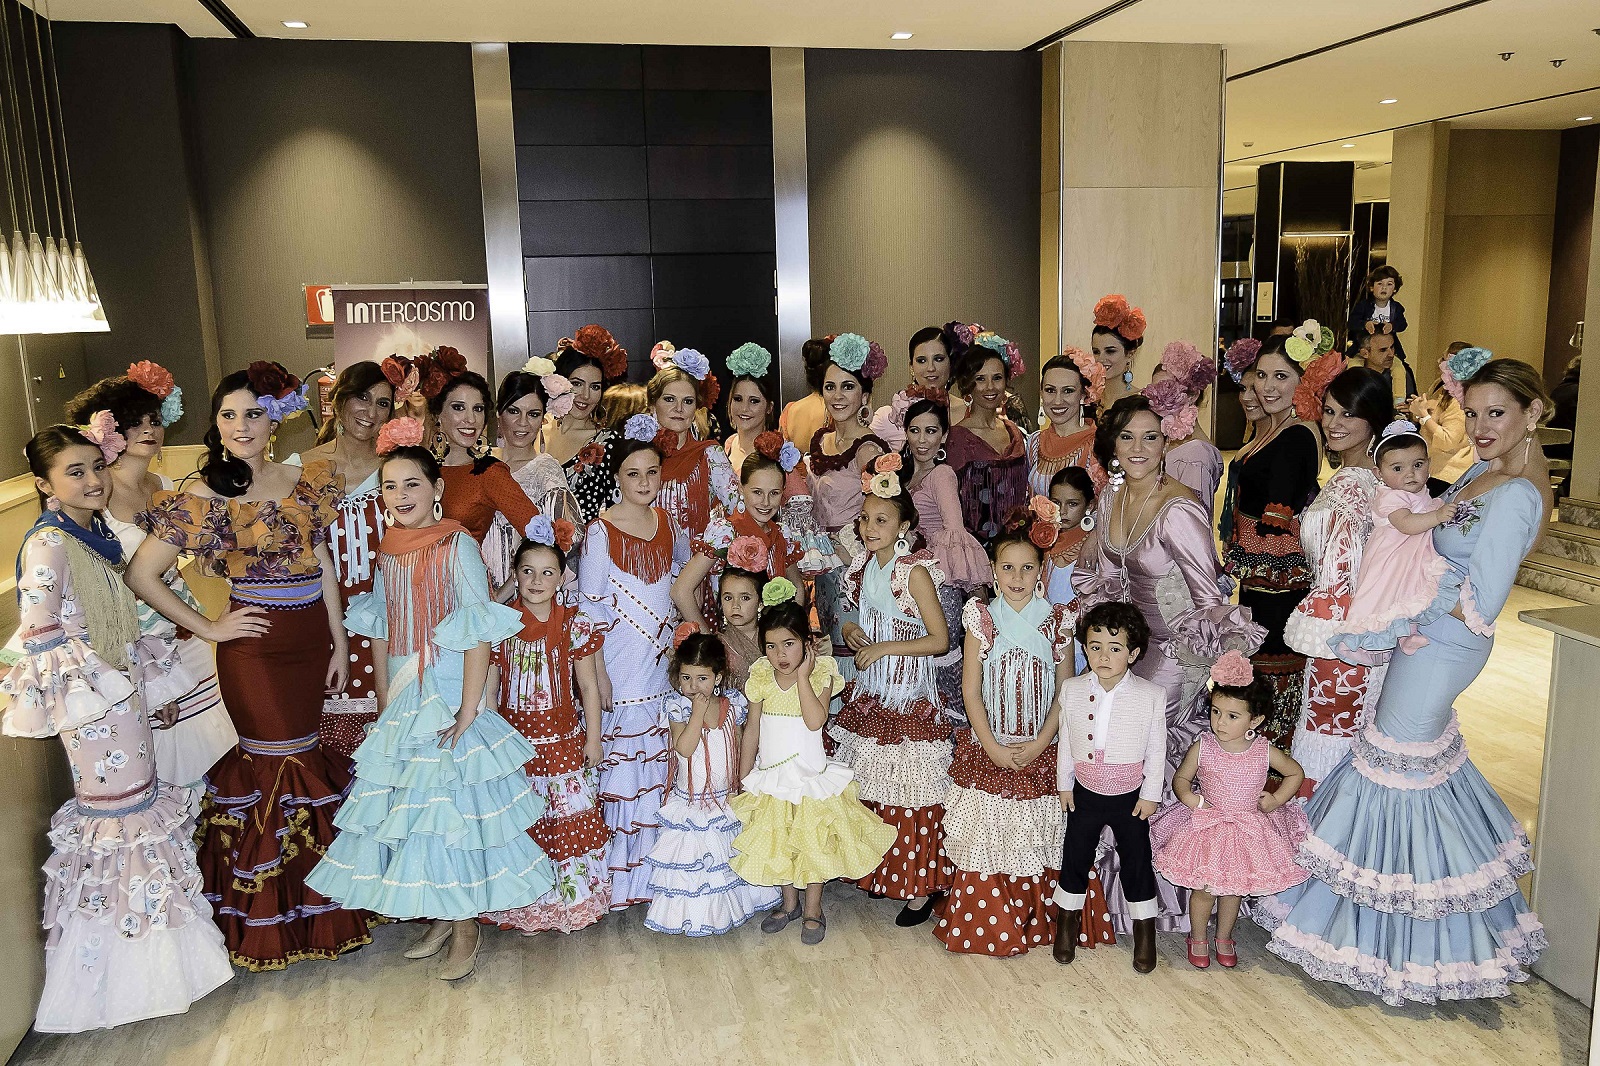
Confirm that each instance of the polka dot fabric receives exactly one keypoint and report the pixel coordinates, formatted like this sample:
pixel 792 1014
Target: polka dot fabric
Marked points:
pixel 916 864
pixel 997 914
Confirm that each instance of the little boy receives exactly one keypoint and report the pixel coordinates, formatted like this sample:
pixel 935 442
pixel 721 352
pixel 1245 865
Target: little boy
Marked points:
pixel 1110 768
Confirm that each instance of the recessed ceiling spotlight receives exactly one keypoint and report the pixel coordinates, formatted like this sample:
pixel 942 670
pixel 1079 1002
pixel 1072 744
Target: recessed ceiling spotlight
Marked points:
pixel 1505 57
pixel 294 24
pixel 1585 118
pixel 901 36
pixel 1348 144
pixel 1391 100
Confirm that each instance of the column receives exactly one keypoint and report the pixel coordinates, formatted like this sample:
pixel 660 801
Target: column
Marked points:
pixel 1421 157
pixel 1586 440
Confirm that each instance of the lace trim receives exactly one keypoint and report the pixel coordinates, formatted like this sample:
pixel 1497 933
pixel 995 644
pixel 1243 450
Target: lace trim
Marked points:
pixel 1483 888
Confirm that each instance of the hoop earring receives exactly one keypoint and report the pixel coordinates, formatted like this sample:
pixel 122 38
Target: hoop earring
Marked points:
pixel 902 546
pixel 1086 523
pixel 862 417
pixel 438 510
pixel 388 517
pixel 1251 734
pixel 939 456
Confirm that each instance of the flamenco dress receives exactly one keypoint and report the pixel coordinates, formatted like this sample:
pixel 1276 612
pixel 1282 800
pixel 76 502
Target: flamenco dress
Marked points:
pixel 626 582
pixel 891 732
pixel 269 806
pixel 543 481
pixel 694 891
pixel 1414 858
pixel 966 569
pixel 535 695
pixel 1003 825
pixel 804 822
pixel 129 932
pixel 1049 453
pixel 432 831
pixel 993 484
pixel 827 530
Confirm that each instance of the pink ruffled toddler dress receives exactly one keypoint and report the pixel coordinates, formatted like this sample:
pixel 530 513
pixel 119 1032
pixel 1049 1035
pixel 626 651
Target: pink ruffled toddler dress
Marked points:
pixel 1399 578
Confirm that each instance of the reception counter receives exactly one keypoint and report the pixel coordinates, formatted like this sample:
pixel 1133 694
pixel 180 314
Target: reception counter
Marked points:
pixel 1566 853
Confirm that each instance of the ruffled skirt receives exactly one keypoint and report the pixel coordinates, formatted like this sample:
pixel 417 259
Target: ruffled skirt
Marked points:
pixel 1229 853
pixel 203 733
pixel 694 890
pixel 130 935
pixel 436 832
pixel 633 777
pixel 808 842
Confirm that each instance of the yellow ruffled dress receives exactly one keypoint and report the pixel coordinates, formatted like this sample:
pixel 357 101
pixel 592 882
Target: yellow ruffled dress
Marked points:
pixel 803 821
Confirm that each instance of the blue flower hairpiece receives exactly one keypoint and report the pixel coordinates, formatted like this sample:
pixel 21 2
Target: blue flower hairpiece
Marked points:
pixel 749 360
pixel 172 407
pixel 691 362
pixel 849 351
pixel 788 456
pixel 281 409
pixel 1468 361
pixel 641 427
pixel 541 530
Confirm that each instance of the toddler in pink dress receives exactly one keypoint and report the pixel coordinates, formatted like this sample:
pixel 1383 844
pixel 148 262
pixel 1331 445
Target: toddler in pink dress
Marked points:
pixel 1400 569
pixel 1226 837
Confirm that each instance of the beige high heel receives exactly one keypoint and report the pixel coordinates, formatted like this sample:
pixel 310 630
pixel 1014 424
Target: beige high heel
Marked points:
pixel 429 943
pixel 456 969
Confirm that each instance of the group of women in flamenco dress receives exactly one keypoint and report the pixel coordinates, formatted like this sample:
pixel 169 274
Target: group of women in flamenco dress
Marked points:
pixel 613 663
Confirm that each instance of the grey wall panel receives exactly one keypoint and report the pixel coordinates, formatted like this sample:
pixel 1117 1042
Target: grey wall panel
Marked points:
pixel 709 172
pixel 713 280
pixel 711 226
pixel 585 227
pixel 576 66
pixel 634 328
pixel 677 67
pixel 578 116
pixel 675 117
pixel 595 173
pixel 719 330
pixel 923 175
pixel 563 283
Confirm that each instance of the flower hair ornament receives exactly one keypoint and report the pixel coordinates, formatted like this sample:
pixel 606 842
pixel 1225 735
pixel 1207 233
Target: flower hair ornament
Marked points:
pixel 1171 403
pixel 641 427
pixel 1007 350
pixel 1232 670
pixel 1455 370
pixel 772 445
pixel 277 391
pixel 436 368
pixel 889 423
pixel 1115 313
pixel 559 534
pixel 1189 366
pixel 1314 383
pixel 1043 519
pixel 665 356
pixel 1241 356
pixel 778 590
pixel 403 432
pixel 853 352
pixel 748 553
pixel 597 343
pixel 402 375
pixel 157 381
pixel 749 360
pixel 684 631
pixel 1091 370
pixel 1310 340
pixel 881 478
pixel 102 433
pixel 557 389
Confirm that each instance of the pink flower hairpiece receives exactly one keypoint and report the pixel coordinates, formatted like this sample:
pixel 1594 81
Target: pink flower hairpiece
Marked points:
pixel 684 631
pixel 401 432
pixel 661 354
pixel 1232 670
pixel 1173 404
pixel 747 553
pixel 1241 356
pixel 1186 363
pixel 881 478
pixel 889 423
pixel 102 432
pixel 1045 528
pixel 1091 370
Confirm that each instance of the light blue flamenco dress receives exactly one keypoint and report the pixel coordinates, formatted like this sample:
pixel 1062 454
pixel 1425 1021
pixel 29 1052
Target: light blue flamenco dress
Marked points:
pixel 430 831
pixel 1414 858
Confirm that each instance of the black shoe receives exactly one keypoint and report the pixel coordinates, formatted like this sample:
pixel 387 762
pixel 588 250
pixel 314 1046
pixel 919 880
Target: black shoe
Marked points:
pixel 909 916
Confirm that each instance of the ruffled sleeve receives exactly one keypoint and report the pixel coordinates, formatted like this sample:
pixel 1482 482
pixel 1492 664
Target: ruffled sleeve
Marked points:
pixel 1213 626
pixel 850 582
pixel 588 635
pixel 976 619
pixel 963 559
pixel 195 524
pixel 1095 578
pixel 738 706
pixel 594 574
pixel 900 578
pixel 678 707
pixel 58 682
pixel 758 687
pixel 477 618
pixel 321 489
pixel 1333 532
pixel 1065 622
pixel 825 677
pixel 367 615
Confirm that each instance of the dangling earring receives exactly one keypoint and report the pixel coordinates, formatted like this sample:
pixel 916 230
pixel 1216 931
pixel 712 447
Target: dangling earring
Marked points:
pixel 939 455
pixel 388 517
pixel 226 454
pixel 480 447
pixel 272 442
pixel 1038 590
pixel 1117 476
pixel 1250 734
pixel 1127 376
pixel 1527 447
pixel 902 546
pixel 438 509
pixel 441 447
pixel 1086 523
pixel 52 504
pixel 862 417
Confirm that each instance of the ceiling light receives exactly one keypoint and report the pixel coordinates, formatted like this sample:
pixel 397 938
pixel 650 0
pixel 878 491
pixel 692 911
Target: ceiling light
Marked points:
pixel 1391 100
pixel 294 24
pixel 901 36
pixel 1348 145
pixel 1585 118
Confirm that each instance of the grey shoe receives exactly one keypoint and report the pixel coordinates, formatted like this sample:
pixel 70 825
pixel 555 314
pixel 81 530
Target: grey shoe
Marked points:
pixel 810 936
pixel 778 921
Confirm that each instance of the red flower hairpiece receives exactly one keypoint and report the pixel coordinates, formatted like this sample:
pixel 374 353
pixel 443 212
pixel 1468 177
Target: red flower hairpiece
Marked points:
pixel 747 553
pixel 597 343
pixel 152 378
pixel 271 379
pixel 591 454
pixel 932 393
pixel 395 369
pixel 1113 312
pixel 684 631
pixel 566 534
pixel 769 444
pixel 1319 374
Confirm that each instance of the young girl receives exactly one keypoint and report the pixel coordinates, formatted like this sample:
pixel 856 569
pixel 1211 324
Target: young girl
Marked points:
pixel 130 934
pixel 693 889
pixel 630 554
pixel 436 822
pixel 1072 491
pixel 752 524
pixel 1227 836
pixel 1400 569
pixel 803 822
pixel 739 598
pixel 1002 817
pixel 890 730
pixel 533 675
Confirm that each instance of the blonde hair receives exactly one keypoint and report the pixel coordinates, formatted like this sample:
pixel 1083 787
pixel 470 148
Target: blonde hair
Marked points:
pixel 658 385
pixel 1522 381
pixel 620 403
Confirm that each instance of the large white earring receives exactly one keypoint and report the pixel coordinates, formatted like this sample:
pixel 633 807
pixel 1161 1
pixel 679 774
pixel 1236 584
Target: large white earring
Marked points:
pixel 902 546
pixel 388 517
pixel 438 509
pixel 1086 523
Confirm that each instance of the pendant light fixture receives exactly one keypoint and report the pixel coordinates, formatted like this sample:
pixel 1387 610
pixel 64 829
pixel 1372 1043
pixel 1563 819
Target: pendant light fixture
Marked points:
pixel 45 283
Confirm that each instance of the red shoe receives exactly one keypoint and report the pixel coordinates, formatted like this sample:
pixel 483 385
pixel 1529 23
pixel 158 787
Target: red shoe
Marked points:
pixel 1228 958
pixel 1202 958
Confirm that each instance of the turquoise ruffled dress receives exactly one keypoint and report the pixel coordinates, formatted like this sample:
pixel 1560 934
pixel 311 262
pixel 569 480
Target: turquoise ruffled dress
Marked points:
pixel 429 831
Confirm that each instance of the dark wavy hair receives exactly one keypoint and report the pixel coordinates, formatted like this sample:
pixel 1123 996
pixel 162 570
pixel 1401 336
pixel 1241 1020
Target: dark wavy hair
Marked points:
pixel 1365 395
pixel 1118 618
pixel 128 402
pixel 1113 423
pixel 519 385
pixel 622 448
pixel 919 408
pixel 353 380
pixel 1257 696
pixel 701 649
pixel 533 545
pixel 1091 410
pixel 814 356
pixel 426 460
pixel 475 381
pixel 224 475
pixel 972 360
pixel 567 360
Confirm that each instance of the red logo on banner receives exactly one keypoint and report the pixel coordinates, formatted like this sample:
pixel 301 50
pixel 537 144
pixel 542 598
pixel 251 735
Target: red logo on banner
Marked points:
pixel 319 305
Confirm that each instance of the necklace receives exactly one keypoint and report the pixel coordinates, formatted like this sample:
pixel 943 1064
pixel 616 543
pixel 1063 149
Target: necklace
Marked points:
pixel 1262 440
pixel 1127 531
